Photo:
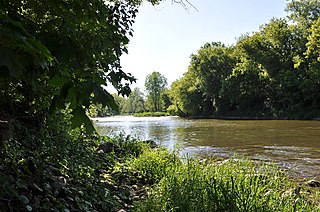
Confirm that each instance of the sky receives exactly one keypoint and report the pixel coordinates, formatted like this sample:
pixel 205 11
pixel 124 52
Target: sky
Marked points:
pixel 166 35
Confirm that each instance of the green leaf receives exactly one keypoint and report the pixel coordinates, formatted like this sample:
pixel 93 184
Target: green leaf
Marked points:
pixel 21 184
pixel 23 199
pixel 41 49
pixel 72 97
pixel 29 208
pixel 37 187
pixel 11 190
pixel 58 81
pixel 79 118
pixel 103 97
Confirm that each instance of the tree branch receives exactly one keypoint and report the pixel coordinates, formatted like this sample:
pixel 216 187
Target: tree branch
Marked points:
pixel 185 4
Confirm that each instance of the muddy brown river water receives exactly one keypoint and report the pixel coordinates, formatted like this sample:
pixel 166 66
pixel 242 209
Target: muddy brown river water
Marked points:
pixel 293 145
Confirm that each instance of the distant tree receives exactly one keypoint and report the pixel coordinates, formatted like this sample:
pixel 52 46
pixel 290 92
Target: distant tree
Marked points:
pixel 197 93
pixel 245 90
pixel 155 85
pixel 278 51
pixel 121 102
pixel 186 96
pixel 211 65
pixel 136 101
pixel 165 99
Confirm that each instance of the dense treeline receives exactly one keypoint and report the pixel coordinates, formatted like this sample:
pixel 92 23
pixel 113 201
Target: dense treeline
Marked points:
pixel 274 72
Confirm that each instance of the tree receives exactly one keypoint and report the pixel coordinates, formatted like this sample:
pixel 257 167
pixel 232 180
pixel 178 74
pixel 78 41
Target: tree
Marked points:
pixel 304 12
pixel 136 102
pixel 165 99
pixel 245 91
pixel 272 72
pixel 211 65
pixel 313 45
pixel 155 85
pixel 186 96
pixel 197 93
pixel 55 54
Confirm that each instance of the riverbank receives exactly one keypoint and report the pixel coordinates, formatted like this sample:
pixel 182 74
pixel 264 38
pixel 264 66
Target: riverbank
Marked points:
pixel 292 145
pixel 70 172
pixel 151 114
pixel 61 169
pixel 262 118
pixel 251 118
pixel 228 185
pixel 57 168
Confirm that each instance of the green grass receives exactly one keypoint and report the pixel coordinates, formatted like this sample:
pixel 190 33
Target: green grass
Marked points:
pixel 205 185
pixel 150 114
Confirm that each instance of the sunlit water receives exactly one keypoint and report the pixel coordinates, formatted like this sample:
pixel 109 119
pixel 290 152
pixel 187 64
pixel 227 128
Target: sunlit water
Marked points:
pixel 294 145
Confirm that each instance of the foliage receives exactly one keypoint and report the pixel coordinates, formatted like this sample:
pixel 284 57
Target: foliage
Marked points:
pixel 304 12
pixel 186 96
pixel 97 110
pixel 42 172
pixel 60 169
pixel 207 185
pixel 165 99
pixel 150 114
pixel 121 102
pixel 135 102
pixel 271 73
pixel 212 64
pixel 58 54
pixel 155 85
pixel 245 90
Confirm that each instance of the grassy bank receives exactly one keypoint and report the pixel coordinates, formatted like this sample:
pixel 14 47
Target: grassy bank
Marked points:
pixel 58 169
pixel 150 114
pixel 209 185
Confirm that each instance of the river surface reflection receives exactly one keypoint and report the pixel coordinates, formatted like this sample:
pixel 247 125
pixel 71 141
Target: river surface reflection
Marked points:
pixel 294 145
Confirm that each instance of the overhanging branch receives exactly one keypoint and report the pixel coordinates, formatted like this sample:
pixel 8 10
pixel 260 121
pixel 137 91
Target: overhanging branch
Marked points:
pixel 185 4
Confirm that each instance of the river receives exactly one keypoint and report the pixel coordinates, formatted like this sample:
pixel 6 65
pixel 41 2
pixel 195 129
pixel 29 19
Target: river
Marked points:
pixel 293 145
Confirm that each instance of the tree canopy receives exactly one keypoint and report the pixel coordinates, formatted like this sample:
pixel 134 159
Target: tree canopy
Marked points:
pixel 55 54
pixel 155 85
pixel 271 73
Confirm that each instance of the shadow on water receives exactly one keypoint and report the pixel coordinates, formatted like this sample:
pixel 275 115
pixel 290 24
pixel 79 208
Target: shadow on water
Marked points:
pixel 294 145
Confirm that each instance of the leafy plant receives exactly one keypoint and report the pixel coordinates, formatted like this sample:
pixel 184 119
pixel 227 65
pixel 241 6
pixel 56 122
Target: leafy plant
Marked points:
pixel 55 55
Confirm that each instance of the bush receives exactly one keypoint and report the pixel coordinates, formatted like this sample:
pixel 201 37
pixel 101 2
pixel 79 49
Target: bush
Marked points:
pixel 59 169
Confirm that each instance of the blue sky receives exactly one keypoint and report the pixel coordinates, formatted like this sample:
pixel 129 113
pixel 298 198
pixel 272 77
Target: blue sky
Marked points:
pixel 166 35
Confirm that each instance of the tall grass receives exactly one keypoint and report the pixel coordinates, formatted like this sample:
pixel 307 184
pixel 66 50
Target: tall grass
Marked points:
pixel 205 185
